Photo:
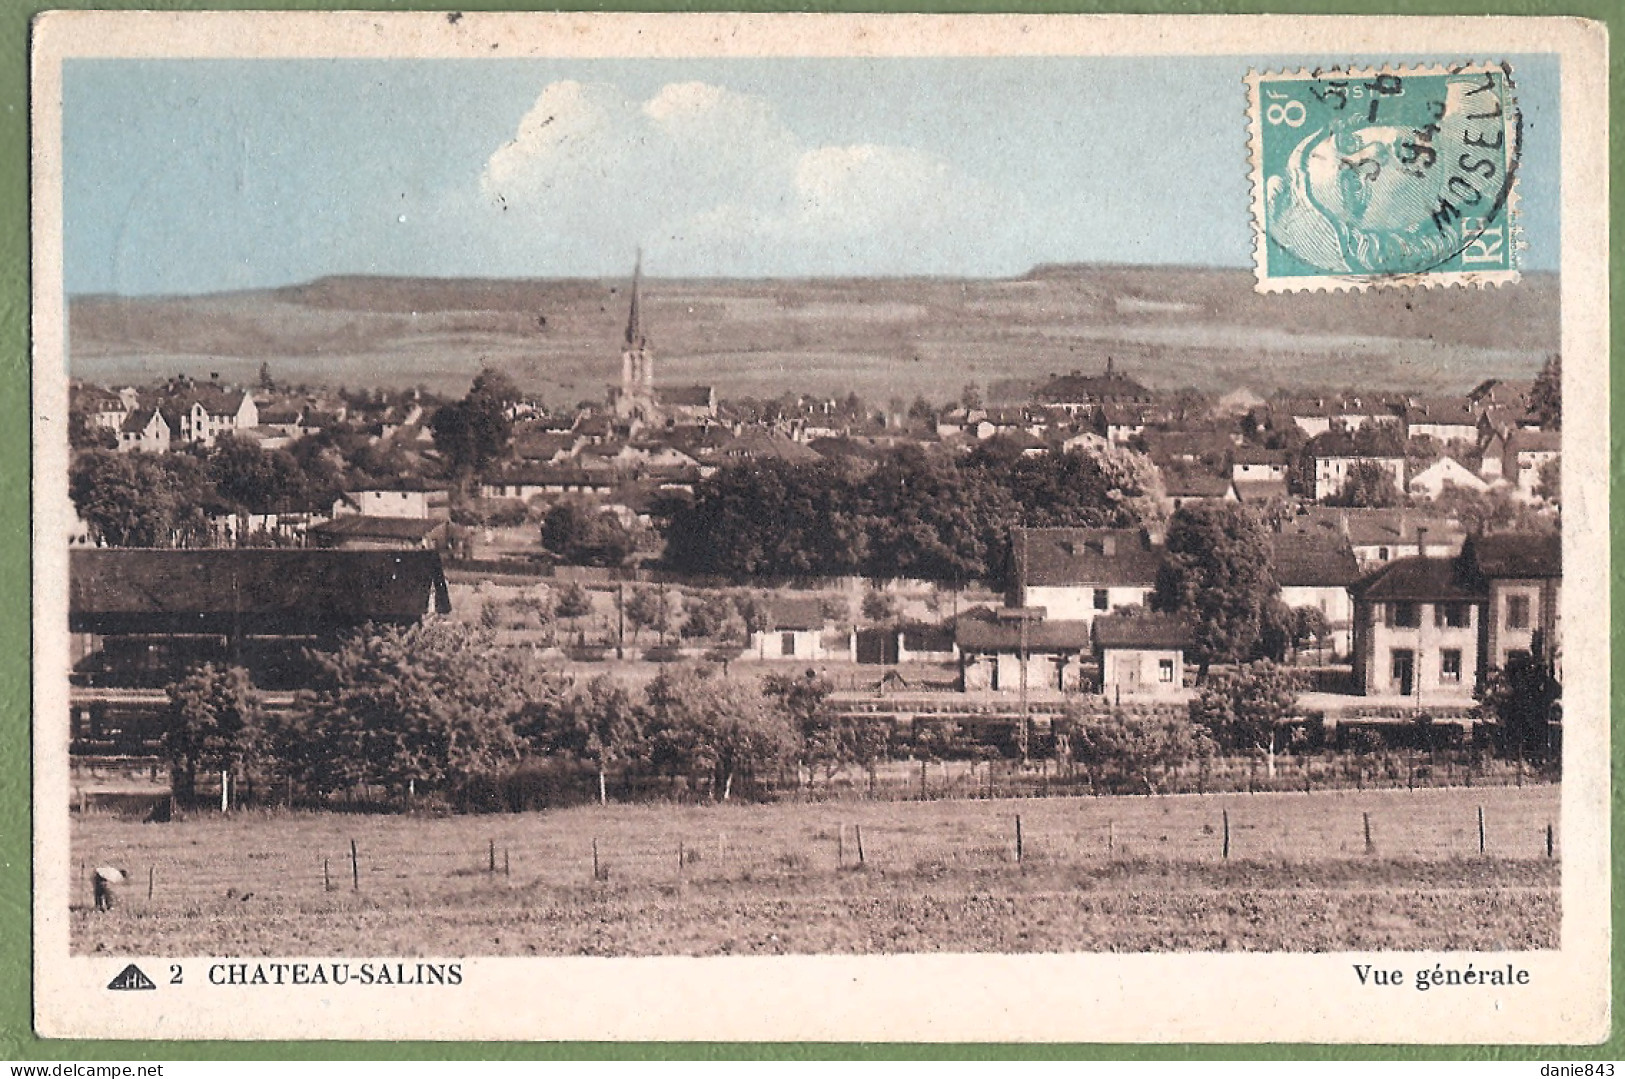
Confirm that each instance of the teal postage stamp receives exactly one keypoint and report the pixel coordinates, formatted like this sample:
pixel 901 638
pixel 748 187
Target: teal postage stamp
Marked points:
pixel 1381 177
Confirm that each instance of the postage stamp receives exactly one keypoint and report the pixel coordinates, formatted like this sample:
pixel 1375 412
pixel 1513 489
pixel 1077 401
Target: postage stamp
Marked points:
pixel 1400 176
pixel 746 527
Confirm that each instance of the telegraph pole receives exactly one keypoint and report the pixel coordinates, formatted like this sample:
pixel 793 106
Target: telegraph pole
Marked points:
pixel 1021 598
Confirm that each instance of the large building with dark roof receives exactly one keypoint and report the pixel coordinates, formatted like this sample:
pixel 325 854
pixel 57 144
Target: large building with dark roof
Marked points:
pixel 143 616
pixel 1077 392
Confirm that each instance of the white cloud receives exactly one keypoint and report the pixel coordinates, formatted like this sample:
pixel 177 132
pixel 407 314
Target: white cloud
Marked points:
pixel 713 181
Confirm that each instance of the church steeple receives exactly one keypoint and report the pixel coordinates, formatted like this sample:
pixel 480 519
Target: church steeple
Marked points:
pixel 634 325
pixel 637 390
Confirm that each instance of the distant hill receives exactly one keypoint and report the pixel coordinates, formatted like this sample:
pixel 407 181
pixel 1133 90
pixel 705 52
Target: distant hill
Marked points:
pixel 882 337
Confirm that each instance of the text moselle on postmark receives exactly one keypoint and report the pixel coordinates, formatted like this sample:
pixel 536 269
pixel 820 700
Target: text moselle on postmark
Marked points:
pixel 1397 176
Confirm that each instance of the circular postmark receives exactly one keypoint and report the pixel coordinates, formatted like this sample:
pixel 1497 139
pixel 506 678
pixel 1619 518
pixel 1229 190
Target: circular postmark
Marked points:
pixel 1390 173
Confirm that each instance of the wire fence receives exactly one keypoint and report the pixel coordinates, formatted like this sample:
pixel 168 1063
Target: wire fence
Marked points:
pixel 310 861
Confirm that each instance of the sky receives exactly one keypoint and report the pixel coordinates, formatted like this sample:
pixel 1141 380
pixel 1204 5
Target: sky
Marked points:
pixel 195 176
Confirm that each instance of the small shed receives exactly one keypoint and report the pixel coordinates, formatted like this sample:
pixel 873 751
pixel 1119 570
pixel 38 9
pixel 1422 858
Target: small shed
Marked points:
pixel 1141 655
pixel 795 630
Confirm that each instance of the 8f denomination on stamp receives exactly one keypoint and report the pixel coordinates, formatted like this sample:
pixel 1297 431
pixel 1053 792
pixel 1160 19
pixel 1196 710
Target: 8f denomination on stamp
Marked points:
pixel 1398 176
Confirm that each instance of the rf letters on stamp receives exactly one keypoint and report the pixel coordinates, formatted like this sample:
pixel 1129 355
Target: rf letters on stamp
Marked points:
pixel 906 528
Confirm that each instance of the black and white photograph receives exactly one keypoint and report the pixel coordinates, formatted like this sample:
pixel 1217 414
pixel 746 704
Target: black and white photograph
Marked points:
pixel 778 510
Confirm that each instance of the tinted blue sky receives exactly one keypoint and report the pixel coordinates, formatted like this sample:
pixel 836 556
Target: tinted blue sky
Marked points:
pixel 200 176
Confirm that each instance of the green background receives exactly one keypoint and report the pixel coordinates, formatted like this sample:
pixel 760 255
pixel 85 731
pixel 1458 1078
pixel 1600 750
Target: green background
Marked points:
pixel 17 1041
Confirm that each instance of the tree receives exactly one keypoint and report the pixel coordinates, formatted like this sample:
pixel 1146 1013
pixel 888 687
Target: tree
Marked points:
pixel 829 741
pixel 139 500
pixel 1217 574
pixel 719 732
pixel 712 615
pixel 433 706
pixel 573 601
pixel 1495 510
pixel 254 479
pixel 646 608
pixel 1525 698
pixel 970 397
pixel 213 724
pixel 586 536
pixel 1550 487
pixel 1309 624
pixel 84 435
pixel 1546 395
pixel 475 431
pixel 1369 485
pixel 1242 709
pixel 1123 745
pixel 879 607
pixel 267 384
pixel 601 722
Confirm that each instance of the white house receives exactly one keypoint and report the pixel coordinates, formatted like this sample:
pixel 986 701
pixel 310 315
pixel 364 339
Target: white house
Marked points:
pixel 1077 574
pixel 1445 472
pixel 144 431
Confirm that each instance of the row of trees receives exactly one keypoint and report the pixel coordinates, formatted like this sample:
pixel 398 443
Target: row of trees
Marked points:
pixel 913 514
pixel 159 500
pixel 437 710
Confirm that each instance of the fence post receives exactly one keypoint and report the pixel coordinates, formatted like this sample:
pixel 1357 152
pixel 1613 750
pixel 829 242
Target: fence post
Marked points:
pixel 327 879
pixel 355 867
pixel 857 831
pixel 149 879
pixel 1549 839
pixel 1018 837
pixel 491 863
pixel 1111 839
pixel 595 858
pixel 1368 848
pixel 506 868
pixel 840 846
pixel 1481 829
pixel 682 857
pixel 1227 834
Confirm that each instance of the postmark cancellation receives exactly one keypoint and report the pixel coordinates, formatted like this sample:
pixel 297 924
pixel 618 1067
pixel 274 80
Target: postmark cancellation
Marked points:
pixel 1380 177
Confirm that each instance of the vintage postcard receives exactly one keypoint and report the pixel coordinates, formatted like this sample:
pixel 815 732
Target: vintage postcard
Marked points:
pixel 883 528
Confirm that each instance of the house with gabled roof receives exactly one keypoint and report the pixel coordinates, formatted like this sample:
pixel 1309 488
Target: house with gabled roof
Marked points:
pixel 1445 419
pixel 144 431
pixel 1077 574
pixel 1378 536
pixel 1332 457
pixel 794 630
pixel 1417 631
pixel 406 496
pixel 1430 482
pixel 1316 570
pixel 204 413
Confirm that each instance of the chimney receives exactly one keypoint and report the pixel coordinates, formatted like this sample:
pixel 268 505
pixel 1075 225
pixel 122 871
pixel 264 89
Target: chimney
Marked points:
pixel 214 376
pixel 1108 546
pixel 1421 542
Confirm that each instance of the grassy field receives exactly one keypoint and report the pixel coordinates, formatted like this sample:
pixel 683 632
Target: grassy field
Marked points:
pixel 1107 874
pixel 1168 327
